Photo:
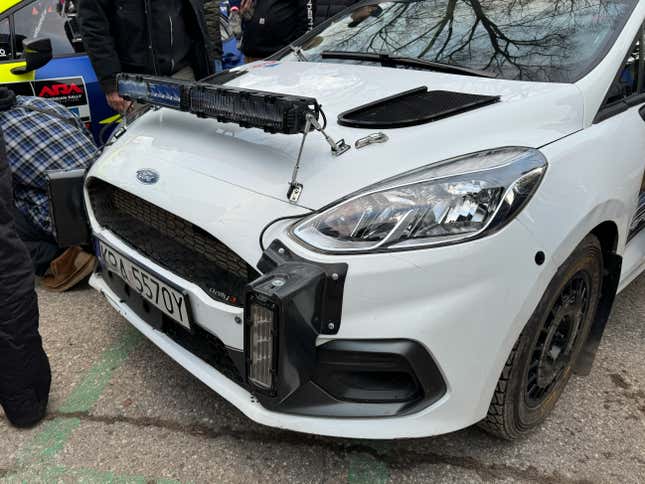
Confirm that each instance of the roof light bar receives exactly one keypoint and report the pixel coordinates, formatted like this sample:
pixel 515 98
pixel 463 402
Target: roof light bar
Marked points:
pixel 272 112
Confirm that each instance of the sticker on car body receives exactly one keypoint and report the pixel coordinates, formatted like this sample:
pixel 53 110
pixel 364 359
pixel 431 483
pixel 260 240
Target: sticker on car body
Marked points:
pixel 71 92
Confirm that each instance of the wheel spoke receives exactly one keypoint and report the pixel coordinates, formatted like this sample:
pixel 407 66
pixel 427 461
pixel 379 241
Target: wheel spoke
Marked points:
pixel 557 339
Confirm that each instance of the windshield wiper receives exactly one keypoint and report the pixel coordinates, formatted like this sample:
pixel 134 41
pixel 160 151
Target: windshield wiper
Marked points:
pixel 387 60
pixel 298 53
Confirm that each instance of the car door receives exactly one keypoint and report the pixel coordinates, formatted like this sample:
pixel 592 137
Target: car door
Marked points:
pixel 68 78
pixel 625 105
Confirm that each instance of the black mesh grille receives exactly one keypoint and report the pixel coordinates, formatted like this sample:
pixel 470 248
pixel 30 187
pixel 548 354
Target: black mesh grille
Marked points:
pixel 413 107
pixel 205 346
pixel 172 242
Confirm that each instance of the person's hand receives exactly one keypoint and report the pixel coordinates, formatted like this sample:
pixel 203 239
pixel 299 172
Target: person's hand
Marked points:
pixel 117 103
pixel 245 7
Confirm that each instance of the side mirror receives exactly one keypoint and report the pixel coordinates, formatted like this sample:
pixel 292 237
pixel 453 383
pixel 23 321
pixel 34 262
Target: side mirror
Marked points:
pixel 36 53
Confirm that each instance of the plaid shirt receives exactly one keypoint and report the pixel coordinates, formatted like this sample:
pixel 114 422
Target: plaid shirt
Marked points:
pixel 42 135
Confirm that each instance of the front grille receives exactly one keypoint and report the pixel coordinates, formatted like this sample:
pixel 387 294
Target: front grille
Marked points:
pixel 172 242
pixel 205 346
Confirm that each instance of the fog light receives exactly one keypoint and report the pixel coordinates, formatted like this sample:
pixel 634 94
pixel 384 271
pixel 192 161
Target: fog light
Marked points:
pixel 261 343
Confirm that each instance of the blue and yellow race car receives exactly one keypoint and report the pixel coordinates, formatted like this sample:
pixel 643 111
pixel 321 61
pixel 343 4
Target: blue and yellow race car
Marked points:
pixel 68 77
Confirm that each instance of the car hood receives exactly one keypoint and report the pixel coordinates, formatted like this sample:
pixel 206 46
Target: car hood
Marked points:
pixel 529 114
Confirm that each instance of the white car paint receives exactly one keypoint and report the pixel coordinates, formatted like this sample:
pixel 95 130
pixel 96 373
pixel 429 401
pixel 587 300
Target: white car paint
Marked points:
pixel 530 114
pixel 465 303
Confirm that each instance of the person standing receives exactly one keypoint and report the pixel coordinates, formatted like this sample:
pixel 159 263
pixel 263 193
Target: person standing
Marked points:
pixel 270 25
pixel 25 374
pixel 212 16
pixel 157 37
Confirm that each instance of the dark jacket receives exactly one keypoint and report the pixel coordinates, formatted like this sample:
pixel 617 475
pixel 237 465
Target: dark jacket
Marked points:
pixel 212 16
pixel 324 9
pixel 274 24
pixel 145 36
pixel 24 368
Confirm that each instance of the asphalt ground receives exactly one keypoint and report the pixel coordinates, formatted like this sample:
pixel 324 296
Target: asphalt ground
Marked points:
pixel 122 411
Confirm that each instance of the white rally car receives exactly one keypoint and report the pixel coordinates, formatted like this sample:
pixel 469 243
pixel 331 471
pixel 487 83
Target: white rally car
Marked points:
pixel 413 219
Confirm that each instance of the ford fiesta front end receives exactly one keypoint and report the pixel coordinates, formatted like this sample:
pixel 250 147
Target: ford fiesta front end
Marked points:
pixel 368 237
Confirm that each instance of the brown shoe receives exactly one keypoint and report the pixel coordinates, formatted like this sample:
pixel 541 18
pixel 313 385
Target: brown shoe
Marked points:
pixel 67 270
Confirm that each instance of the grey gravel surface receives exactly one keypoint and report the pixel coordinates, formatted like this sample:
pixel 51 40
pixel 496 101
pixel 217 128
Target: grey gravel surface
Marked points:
pixel 151 420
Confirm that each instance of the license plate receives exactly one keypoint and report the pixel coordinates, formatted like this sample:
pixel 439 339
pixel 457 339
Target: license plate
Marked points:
pixel 157 292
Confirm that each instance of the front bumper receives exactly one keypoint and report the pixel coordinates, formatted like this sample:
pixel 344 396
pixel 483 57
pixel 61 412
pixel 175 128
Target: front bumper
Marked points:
pixel 341 378
pixel 463 305
pixel 245 401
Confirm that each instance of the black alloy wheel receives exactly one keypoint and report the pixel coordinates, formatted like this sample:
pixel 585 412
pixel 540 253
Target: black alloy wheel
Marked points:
pixel 541 362
pixel 554 347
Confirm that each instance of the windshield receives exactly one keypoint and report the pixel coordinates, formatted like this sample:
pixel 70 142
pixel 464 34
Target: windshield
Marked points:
pixel 533 40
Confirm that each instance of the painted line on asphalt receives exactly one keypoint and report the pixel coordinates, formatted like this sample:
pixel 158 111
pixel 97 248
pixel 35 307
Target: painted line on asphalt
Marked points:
pixel 48 442
pixel 55 434
pixel 88 392
pixel 62 473
pixel 366 468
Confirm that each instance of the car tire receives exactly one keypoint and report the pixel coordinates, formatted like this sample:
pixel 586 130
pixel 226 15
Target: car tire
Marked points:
pixel 542 359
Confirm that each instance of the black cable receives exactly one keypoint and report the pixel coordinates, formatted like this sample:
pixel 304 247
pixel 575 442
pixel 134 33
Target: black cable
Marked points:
pixel 322 113
pixel 274 222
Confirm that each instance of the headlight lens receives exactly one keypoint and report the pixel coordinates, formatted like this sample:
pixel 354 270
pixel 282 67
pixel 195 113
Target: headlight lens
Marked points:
pixel 448 202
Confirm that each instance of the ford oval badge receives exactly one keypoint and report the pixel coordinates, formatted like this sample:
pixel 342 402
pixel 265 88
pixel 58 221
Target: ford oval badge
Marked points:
pixel 147 176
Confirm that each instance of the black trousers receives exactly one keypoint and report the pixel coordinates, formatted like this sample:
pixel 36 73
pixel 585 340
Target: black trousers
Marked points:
pixel 25 374
pixel 42 246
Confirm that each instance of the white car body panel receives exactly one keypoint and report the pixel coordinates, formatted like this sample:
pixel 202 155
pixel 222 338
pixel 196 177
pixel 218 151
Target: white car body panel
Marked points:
pixel 530 114
pixel 467 303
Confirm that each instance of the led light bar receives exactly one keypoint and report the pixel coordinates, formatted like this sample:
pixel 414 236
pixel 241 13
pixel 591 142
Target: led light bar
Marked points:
pixel 270 111
pixel 273 112
pixel 159 91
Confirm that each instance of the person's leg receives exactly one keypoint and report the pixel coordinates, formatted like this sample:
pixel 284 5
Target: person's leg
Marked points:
pixel 25 375
pixel 41 246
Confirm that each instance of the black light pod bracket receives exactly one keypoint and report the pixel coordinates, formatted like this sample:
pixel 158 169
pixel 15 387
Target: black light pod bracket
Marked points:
pixel 285 310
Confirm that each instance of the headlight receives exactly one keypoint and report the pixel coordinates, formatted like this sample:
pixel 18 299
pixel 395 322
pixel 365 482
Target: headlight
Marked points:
pixel 445 203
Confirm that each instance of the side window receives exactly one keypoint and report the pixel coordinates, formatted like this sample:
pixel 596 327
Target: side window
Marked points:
pixel 631 79
pixel 46 18
pixel 5 40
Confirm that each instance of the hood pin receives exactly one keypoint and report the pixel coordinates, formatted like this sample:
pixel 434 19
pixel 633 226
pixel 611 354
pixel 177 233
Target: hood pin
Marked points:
pixel 337 148
pixel 370 140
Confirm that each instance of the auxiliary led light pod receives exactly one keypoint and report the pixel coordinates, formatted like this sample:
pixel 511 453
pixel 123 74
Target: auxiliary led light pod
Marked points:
pixel 272 112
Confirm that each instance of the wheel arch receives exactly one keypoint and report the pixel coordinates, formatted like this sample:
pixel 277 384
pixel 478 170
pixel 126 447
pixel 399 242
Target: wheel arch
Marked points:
pixel 608 235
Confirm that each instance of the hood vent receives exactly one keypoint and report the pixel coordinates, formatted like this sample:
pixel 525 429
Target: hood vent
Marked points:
pixel 413 107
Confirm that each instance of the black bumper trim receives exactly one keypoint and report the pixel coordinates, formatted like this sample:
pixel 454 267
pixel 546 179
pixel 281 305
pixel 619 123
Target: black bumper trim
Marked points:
pixel 331 304
pixel 390 377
